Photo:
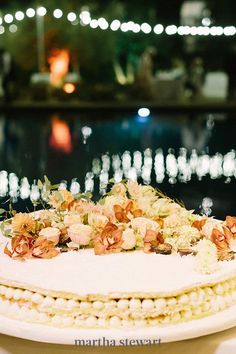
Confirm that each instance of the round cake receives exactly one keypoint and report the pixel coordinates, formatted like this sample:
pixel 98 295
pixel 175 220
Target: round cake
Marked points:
pixel 134 259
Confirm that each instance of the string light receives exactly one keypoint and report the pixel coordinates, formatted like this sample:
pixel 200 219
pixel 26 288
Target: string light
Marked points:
pixel 115 25
pixel 19 15
pixel 30 12
pixel 57 13
pixel 8 18
pixel 71 16
pixel 146 28
pixel 158 29
pixel 41 11
pixel 102 23
pixel 85 20
pixel 93 24
pixel 13 28
pixel 171 29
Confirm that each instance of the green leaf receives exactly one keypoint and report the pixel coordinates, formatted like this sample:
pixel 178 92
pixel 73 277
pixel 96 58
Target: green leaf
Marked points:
pixel 2 211
pixel 40 184
pixel 59 195
pixel 54 186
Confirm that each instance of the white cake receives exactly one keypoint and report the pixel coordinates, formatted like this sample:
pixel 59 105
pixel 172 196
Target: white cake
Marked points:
pixel 100 284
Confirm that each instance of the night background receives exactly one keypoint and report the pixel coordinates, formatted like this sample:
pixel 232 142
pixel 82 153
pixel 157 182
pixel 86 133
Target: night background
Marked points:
pixel 119 89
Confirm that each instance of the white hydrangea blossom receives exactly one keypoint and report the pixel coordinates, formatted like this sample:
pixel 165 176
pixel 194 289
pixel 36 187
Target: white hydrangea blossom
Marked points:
pixel 181 237
pixel 206 258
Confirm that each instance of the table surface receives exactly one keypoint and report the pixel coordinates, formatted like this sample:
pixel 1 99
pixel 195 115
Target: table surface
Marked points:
pixel 219 343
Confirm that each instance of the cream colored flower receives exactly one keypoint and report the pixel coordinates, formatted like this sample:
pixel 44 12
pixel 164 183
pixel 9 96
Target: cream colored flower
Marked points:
pixel 129 239
pixel 145 205
pixel 60 199
pixel 134 189
pixel 71 219
pixel 80 233
pixel 181 237
pixel 51 234
pixel 164 207
pixel 149 192
pixel 141 225
pixel 97 220
pixel 177 219
pixel 118 189
pixel 46 216
pixel 112 200
pixel 206 258
pixel 189 233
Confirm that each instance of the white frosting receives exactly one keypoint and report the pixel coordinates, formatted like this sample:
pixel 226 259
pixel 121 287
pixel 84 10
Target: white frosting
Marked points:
pixel 84 273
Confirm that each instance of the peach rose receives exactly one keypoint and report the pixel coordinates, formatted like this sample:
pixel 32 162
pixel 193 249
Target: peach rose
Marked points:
pixel 134 189
pixel 61 199
pixel 51 234
pixel 71 219
pixel 129 239
pixel 80 233
pixel 141 225
pixel 97 220
pixel 118 189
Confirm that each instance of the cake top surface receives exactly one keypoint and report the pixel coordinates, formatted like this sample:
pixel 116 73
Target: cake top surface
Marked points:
pixel 133 240
pixel 84 273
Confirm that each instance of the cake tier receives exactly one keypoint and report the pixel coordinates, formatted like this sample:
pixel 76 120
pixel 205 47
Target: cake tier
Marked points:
pixel 115 290
pixel 84 276
pixel 30 306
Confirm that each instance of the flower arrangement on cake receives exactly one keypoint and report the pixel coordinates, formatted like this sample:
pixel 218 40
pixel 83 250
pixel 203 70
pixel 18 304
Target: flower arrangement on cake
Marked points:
pixel 135 258
pixel 130 217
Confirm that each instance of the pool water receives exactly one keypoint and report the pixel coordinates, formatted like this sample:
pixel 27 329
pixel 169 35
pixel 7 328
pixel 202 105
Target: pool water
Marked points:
pixel 188 157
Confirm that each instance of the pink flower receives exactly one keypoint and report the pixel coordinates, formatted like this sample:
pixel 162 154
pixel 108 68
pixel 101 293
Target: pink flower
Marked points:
pixel 80 233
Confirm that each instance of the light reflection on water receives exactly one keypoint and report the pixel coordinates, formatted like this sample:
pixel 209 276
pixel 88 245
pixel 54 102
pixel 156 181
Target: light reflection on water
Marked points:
pixel 189 158
pixel 137 166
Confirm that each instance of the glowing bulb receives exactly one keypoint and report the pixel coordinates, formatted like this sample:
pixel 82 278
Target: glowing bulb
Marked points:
pixel 181 30
pixel 19 15
pixel 13 28
pixel 206 21
pixel 30 12
pixel 170 30
pixel 193 30
pixel 0 20
pixel 144 112
pixel 85 17
pixel 229 31
pixel 8 18
pixel 69 88
pixel 57 13
pixel 136 28
pixel 71 16
pixel 124 27
pixel 102 23
pixel 41 11
pixel 146 28
pixel 158 29
pixel 93 23
pixel 2 29
pixel 115 25
pixel 216 31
